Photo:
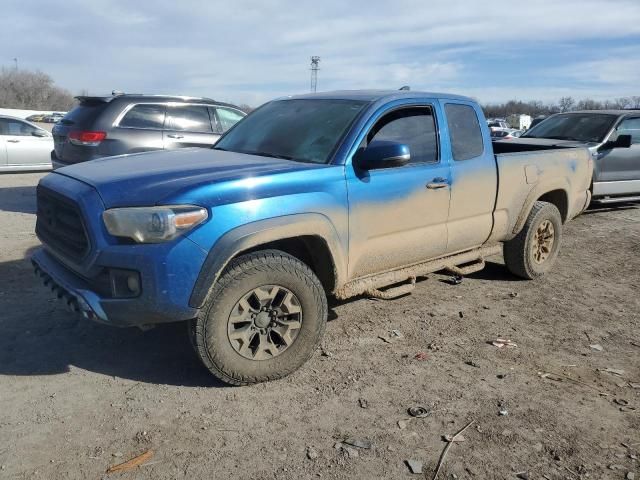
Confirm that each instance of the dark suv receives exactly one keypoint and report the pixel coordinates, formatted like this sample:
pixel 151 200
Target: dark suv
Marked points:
pixel 103 126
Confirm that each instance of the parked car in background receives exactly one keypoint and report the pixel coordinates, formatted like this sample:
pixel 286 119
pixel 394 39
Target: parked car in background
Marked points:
pixel 103 126
pixel 497 124
pixel 23 146
pixel 341 193
pixel 38 117
pixel 612 136
pixel 53 118
pixel 505 134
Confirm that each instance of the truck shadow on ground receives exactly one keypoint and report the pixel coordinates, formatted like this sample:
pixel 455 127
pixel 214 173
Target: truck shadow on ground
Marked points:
pixel 495 271
pixel 18 199
pixel 38 336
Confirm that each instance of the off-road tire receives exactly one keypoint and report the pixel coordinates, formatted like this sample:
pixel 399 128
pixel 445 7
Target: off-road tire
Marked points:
pixel 267 267
pixel 518 252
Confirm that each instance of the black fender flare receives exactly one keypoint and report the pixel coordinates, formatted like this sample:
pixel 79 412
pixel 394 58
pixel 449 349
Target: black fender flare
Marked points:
pixel 258 233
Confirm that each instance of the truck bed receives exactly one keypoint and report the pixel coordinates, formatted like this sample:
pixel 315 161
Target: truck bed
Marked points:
pixel 527 169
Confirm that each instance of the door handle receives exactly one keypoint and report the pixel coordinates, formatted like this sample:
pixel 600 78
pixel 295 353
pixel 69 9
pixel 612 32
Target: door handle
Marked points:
pixel 175 135
pixel 13 141
pixel 437 183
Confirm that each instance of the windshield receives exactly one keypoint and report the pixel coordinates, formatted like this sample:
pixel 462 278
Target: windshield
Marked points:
pixel 581 127
pixel 305 130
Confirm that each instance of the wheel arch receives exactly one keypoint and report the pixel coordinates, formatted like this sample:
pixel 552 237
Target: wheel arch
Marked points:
pixel 311 238
pixel 555 193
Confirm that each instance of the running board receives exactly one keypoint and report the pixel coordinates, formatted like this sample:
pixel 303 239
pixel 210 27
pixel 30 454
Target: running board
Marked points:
pixel 468 269
pixel 393 292
pixel 602 201
pixel 373 283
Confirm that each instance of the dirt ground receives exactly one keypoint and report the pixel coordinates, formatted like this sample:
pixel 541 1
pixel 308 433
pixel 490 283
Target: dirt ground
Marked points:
pixel 77 397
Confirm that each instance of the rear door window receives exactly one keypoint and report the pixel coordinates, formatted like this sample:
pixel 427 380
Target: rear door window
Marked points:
pixel 84 114
pixel 188 118
pixel 228 117
pixel 144 116
pixel 464 130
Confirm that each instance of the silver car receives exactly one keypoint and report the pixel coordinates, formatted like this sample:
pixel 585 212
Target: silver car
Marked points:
pixel 612 136
pixel 23 146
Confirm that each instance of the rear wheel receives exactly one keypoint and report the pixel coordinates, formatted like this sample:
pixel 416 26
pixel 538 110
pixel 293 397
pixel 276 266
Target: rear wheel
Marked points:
pixel 532 252
pixel 262 320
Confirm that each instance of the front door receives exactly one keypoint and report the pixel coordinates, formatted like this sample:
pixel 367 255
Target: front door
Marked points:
pixel 398 216
pixel 189 126
pixel 621 165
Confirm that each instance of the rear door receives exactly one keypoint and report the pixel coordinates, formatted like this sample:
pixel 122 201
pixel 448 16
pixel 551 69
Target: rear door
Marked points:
pixel 474 179
pixel 138 129
pixel 621 165
pixel 189 126
pixel 25 144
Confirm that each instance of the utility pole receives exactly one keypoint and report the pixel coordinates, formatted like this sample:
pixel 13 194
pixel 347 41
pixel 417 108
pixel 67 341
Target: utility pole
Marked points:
pixel 16 60
pixel 314 73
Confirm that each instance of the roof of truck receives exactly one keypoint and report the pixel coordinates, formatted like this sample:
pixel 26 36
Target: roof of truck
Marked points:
pixel 376 95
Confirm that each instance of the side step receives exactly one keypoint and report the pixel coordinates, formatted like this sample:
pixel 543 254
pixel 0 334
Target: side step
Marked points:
pixel 471 261
pixel 467 269
pixel 603 201
pixel 393 292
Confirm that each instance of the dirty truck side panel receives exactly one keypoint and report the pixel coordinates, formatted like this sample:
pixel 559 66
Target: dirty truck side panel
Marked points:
pixel 525 177
pixel 314 205
pixel 474 183
pixel 394 220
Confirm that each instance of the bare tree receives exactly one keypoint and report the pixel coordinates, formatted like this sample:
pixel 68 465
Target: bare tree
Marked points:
pixel 246 108
pixel 32 90
pixel 635 101
pixel 588 104
pixel 623 102
pixel 566 104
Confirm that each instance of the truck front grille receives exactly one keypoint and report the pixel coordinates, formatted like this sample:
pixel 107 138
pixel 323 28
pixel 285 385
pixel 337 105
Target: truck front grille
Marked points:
pixel 59 225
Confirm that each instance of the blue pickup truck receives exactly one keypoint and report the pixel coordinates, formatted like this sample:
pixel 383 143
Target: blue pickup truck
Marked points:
pixel 343 194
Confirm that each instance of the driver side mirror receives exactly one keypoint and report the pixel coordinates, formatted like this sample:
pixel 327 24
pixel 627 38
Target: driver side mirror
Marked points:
pixel 623 141
pixel 39 133
pixel 382 154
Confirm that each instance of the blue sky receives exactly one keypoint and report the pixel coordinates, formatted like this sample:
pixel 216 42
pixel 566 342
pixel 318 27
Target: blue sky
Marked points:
pixel 249 52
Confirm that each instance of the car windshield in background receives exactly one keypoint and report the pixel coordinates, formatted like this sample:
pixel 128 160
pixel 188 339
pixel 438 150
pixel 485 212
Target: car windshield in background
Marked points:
pixel 305 130
pixel 581 127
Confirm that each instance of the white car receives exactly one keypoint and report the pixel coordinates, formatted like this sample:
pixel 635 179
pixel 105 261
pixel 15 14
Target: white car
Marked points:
pixel 23 146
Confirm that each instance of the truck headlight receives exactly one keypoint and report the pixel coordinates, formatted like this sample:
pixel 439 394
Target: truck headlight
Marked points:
pixel 153 224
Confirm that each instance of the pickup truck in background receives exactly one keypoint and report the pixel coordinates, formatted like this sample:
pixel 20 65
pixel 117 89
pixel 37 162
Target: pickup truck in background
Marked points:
pixel 612 137
pixel 342 194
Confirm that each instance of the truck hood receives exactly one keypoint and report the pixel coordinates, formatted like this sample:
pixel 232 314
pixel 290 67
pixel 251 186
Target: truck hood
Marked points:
pixel 148 178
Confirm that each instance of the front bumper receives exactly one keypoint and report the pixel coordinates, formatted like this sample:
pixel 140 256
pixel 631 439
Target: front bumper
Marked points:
pixel 68 287
pixel 153 306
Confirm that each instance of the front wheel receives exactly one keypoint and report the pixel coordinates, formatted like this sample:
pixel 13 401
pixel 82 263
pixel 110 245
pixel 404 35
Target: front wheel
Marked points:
pixel 532 252
pixel 262 319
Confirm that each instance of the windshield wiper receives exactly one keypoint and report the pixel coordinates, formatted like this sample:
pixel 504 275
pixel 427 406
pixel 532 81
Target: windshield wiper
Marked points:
pixel 561 137
pixel 269 154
